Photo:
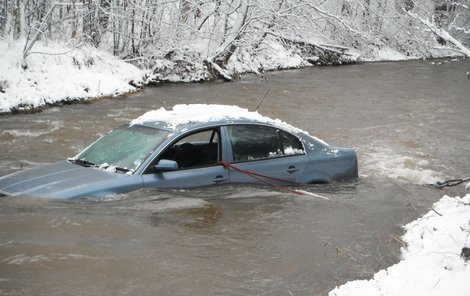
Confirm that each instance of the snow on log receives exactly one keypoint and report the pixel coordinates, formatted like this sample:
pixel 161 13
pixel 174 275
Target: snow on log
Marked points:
pixel 213 67
pixel 319 54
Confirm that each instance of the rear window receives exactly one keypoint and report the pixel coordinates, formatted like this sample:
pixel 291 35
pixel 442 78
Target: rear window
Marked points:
pixel 255 142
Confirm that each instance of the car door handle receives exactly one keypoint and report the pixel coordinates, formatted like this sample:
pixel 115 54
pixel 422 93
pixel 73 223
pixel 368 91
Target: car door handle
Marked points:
pixel 219 179
pixel 292 169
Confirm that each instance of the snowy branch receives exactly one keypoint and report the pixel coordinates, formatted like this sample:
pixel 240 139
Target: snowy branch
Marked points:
pixel 335 17
pixel 441 33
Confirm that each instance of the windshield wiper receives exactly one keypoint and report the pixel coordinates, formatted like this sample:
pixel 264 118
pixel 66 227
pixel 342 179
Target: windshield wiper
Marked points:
pixel 125 170
pixel 86 163
pixel 82 162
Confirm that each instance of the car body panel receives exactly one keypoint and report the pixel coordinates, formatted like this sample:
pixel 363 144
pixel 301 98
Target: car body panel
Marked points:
pixel 64 180
pixel 330 164
pixel 288 169
pixel 194 177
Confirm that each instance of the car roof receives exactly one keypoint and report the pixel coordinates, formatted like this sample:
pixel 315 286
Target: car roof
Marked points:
pixel 193 116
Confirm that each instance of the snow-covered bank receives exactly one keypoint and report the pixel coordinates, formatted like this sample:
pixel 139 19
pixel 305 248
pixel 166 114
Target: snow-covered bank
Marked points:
pixel 56 72
pixel 432 262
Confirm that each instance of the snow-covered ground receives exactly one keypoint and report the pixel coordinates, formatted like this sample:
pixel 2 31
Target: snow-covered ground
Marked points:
pixel 432 261
pixel 55 72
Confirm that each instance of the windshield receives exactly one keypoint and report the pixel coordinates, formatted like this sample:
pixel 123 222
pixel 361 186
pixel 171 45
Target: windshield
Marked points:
pixel 125 147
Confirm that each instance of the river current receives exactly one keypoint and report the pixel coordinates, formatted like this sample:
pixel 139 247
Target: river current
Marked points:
pixel 408 121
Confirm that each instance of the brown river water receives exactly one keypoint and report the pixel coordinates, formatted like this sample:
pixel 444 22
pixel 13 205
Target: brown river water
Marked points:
pixel 408 121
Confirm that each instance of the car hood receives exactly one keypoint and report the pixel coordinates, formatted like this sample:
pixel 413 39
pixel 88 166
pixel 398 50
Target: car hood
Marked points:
pixel 61 180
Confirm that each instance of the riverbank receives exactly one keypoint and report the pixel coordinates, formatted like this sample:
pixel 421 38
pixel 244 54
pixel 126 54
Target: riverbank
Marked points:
pixel 59 73
pixel 435 261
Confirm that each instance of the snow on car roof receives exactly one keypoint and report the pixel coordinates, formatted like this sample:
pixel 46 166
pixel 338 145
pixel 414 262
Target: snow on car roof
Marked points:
pixel 184 114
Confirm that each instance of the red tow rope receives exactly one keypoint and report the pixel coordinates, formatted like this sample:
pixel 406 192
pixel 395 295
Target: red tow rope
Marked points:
pixel 264 179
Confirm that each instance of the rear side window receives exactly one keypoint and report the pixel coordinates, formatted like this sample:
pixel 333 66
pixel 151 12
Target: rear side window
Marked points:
pixel 254 142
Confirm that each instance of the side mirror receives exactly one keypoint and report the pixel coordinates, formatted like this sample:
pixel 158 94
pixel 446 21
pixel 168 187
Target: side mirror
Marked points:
pixel 166 165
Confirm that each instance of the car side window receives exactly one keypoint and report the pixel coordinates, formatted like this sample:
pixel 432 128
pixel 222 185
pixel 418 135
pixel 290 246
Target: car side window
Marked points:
pixel 196 150
pixel 291 144
pixel 255 142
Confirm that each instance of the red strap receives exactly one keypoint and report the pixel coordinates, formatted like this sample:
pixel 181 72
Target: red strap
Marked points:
pixel 262 178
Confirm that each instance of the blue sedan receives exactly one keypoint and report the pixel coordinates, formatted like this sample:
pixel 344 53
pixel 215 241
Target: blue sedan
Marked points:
pixel 188 146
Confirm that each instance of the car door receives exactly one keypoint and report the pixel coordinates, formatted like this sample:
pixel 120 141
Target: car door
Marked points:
pixel 197 156
pixel 267 151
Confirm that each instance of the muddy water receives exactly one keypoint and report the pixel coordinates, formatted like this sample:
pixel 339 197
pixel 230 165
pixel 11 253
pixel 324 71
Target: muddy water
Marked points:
pixel 408 122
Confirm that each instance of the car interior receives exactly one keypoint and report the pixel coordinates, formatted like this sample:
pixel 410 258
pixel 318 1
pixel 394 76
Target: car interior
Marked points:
pixel 195 150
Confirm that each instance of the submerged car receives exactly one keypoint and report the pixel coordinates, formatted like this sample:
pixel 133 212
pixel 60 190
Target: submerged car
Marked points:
pixel 188 146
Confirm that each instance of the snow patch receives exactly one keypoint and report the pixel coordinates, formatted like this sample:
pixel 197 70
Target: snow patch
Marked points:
pixel 56 72
pixel 431 263
pixel 389 54
pixel 384 54
pixel 272 55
